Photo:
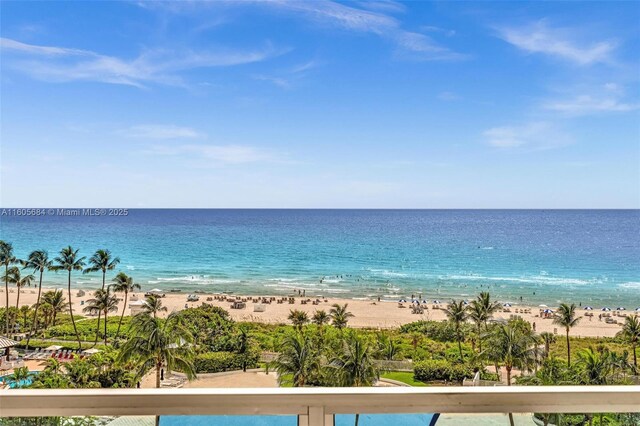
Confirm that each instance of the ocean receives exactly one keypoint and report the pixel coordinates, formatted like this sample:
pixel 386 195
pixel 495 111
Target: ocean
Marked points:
pixel 544 256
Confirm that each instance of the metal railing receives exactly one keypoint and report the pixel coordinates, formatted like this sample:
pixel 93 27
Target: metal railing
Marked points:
pixel 316 406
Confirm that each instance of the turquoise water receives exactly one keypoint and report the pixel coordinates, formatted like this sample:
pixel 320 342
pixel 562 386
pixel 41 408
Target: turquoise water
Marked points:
pixel 584 256
pixel 19 384
pixel 340 420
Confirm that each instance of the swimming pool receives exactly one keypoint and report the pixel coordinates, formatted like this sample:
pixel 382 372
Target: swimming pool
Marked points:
pixel 19 384
pixel 340 420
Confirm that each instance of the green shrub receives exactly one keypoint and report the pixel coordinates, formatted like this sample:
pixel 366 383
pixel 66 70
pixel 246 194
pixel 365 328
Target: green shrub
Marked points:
pixel 441 331
pixel 215 362
pixel 433 370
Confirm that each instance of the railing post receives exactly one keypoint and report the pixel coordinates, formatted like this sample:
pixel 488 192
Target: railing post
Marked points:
pixel 316 416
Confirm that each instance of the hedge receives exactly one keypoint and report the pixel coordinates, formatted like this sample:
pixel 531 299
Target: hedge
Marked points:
pixel 215 362
pixel 432 370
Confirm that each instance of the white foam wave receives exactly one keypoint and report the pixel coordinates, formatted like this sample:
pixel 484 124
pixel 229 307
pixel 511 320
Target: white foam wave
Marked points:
pixel 631 285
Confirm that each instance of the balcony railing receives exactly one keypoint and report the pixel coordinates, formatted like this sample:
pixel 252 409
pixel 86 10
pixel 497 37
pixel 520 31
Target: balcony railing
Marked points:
pixel 316 406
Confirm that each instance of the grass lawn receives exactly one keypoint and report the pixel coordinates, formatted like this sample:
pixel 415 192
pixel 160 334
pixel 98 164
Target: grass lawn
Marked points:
pixel 402 376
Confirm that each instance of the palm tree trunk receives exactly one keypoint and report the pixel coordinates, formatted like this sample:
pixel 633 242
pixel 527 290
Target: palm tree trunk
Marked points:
pixel 15 319
pixel 635 357
pixel 73 321
pixel 34 324
pixel 511 422
pixel 105 328
pixel 99 312
pixel 126 293
pixel 568 349
pixel 459 345
pixel 6 296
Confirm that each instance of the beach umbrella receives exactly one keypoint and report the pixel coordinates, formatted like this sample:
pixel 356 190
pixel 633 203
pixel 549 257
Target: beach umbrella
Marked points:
pixel 466 302
pixel 621 308
pixel 53 348
pixel 437 302
pixel 542 306
pixel 548 311
pixel 588 308
pixel 606 309
pixel 402 301
pixel 424 301
pixel 638 309
pixel 507 305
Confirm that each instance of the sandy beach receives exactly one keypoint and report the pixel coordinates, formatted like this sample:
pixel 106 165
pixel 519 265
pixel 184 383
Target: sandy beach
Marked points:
pixel 367 313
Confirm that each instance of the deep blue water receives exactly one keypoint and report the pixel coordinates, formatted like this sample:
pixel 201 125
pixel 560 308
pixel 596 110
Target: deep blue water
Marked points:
pixel 577 255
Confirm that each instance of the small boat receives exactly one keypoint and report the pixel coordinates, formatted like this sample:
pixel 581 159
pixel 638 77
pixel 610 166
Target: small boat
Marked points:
pixel 175 290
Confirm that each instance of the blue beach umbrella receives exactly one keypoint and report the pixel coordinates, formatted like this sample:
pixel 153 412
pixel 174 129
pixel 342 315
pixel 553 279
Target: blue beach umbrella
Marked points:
pixel 507 305
pixel 606 309
pixel 621 308
pixel 638 309
pixel 437 302
pixel 548 311
pixel 588 308
pixel 402 300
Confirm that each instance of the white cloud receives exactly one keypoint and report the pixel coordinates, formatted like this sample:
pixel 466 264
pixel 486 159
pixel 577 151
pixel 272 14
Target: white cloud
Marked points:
pixel 532 136
pixel 587 104
pixel 608 97
pixel 160 131
pixel 434 29
pixel 448 96
pixel 60 64
pixel 372 18
pixel 225 154
pixel 539 37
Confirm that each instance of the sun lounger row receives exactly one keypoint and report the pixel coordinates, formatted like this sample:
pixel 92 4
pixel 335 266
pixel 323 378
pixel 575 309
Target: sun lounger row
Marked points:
pixel 43 354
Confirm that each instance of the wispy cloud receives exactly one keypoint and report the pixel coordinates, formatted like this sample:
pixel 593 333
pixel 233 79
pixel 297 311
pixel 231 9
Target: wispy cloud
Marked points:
pixel 530 136
pixel 224 154
pixel 160 131
pixel 370 17
pixel 61 64
pixel 448 96
pixel 609 97
pixel 287 78
pixel 540 37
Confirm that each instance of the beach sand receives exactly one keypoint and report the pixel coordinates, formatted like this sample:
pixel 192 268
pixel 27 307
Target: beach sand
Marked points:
pixel 367 313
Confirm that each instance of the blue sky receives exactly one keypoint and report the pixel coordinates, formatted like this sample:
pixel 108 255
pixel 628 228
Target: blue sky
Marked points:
pixel 321 104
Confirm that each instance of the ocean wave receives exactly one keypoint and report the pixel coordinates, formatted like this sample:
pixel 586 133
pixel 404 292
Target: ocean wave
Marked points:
pixel 387 273
pixel 540 279
pixel 631 285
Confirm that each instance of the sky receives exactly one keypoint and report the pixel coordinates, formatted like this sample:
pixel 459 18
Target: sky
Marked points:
pixel 320 104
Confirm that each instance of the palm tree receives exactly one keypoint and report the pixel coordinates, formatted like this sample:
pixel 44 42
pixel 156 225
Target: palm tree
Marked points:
pixel 595 367
pixel 69 261
pixel 631 333
pixel 339 315
pixel 101 261
pixel 104 302
pixel 355 365
pixel 548 339
pixel 388 347
pixel 481 310
pixel 20 281
pixel 457 314
pixel 160 343
pixel 6 258
pixel 297 358
pixel 298 318
pixel 243 345
pixel 320 317
pixel 123 283
pixel 38 260
pixel 153 305
pixel 566 317
pixel 513 347
pixel 55 299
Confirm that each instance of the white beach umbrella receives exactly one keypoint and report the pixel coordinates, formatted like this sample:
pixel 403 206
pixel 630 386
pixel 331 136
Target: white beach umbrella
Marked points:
pixel 402 300
pixel 588 308
pixel 437 302
pixel 507 305
pixel 542 306
pixel 548 311
pixel 638 309
pixel 621 308
pixel 606 309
